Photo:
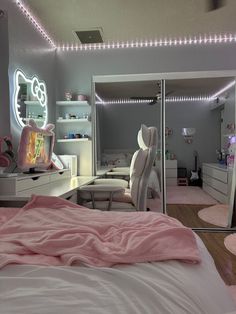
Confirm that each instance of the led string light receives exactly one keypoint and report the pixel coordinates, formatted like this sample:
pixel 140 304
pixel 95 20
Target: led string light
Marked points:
pixel 168 99
pixel 186 41
pixel 224 89
pixel 36 24
pixel 141 101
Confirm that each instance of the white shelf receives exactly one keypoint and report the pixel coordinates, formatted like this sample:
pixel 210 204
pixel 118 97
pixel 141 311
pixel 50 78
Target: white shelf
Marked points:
pixel 71 120
pixel 72 103
pixel 35 119
pixel 229 135
pixel 68 140
pixel 32 102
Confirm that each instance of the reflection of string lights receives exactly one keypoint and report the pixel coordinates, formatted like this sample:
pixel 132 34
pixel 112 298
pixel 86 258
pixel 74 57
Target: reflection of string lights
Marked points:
pixel 224 89
pixel 144 101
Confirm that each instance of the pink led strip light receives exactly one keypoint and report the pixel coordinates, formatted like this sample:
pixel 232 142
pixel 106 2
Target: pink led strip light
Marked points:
pixel 36 24
pixel 186 41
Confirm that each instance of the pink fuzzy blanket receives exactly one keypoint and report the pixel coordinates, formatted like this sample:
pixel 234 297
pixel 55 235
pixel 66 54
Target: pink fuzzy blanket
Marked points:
pixel 53 231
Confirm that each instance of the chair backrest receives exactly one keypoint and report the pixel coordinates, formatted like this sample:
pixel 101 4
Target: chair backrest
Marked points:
pixel 147 136
pixel 140 169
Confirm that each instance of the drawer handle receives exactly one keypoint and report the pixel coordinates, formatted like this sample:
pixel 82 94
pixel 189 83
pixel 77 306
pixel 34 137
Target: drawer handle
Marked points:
pixel 35 178
pixel 61 172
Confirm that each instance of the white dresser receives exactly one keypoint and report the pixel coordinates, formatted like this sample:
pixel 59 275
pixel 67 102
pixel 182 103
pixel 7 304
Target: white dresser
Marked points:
pixel 217 181
pixel 171 171
pixel 24 182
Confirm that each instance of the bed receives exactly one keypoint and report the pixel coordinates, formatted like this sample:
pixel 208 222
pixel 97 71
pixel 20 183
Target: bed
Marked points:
pixel 181 278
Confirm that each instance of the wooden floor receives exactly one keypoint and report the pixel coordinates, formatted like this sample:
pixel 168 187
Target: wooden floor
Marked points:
pixel 225 261
pixel 187 214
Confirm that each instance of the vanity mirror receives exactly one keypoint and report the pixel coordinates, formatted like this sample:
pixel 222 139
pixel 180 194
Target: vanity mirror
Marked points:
pixel 30 99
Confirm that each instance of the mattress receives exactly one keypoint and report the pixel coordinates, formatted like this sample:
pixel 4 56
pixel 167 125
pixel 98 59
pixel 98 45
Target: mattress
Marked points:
pixel 158 287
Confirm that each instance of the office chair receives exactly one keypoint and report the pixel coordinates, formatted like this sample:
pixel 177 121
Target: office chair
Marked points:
pixel 132 194
pixel 147 137
pixel 117 198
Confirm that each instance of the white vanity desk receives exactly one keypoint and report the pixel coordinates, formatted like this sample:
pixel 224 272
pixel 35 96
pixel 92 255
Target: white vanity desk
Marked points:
pixel 15 191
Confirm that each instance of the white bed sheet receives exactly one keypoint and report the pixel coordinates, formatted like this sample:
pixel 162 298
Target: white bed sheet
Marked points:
pixel 147 288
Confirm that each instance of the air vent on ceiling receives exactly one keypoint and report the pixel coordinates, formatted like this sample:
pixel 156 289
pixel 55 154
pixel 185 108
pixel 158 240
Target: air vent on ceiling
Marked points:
pixel 89 36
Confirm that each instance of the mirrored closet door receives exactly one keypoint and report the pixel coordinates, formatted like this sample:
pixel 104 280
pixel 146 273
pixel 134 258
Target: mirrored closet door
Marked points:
pixel 195 118
pixel 121 109
pixel 199 150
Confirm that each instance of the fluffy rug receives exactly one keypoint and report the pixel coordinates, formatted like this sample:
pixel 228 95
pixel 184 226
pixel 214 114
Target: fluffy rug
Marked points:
pixel 215 215
pixel 192 195
pixel 188 195
pixel 230 244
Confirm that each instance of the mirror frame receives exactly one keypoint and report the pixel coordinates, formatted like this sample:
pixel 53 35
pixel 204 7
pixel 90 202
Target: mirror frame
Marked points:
pixel 40 86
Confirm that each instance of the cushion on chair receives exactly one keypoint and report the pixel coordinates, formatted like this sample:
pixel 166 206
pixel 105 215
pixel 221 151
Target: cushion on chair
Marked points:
pixel 116 206
pixel 112 182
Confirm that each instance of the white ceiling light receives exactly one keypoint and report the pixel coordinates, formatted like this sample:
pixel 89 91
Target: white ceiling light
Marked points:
pixel 36 24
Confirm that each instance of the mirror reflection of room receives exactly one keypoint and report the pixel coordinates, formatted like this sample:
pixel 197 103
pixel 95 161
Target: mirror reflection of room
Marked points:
pixel 121 109
pixel 200 144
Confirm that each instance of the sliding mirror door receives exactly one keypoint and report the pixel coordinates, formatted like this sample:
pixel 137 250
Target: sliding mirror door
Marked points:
pixel 199 150
pixel 121 108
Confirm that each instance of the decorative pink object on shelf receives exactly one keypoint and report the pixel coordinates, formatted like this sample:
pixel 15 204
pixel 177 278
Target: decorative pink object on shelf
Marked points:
pixel 81 97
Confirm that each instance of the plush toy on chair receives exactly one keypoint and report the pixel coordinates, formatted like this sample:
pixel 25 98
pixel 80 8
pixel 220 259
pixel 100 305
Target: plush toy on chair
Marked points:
pixel 7 156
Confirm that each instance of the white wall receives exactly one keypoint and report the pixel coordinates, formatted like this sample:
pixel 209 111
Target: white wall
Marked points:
pixel 75 70
pixel 29 51
pixel 4 84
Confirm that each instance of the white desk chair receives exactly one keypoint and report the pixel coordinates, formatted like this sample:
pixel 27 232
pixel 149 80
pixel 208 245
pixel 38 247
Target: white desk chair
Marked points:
pixel 147 137
pixel 106 197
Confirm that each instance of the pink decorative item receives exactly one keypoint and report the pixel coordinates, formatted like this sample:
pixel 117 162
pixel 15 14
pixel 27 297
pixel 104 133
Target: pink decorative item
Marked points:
pixel 81 97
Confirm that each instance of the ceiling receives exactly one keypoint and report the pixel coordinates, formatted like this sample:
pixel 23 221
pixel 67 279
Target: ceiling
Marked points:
pixel 127 20
pixel 130 20
pixel 184 87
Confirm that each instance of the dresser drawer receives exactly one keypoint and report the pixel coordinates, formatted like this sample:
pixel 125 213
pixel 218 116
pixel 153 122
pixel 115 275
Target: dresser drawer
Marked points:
pixel 216 184
pixel 222 198
pixel 64 174
pixel 215 173
pixel 31 182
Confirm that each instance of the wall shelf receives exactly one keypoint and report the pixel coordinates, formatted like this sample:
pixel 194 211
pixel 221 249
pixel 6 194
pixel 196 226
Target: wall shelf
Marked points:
pixel 72 103
pixel 69 140
pixel 32 102
pixel 66 125
pixel 35 119
pixel 71 120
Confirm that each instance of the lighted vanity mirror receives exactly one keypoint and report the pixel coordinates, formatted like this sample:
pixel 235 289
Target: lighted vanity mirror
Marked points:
pixel 30 100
